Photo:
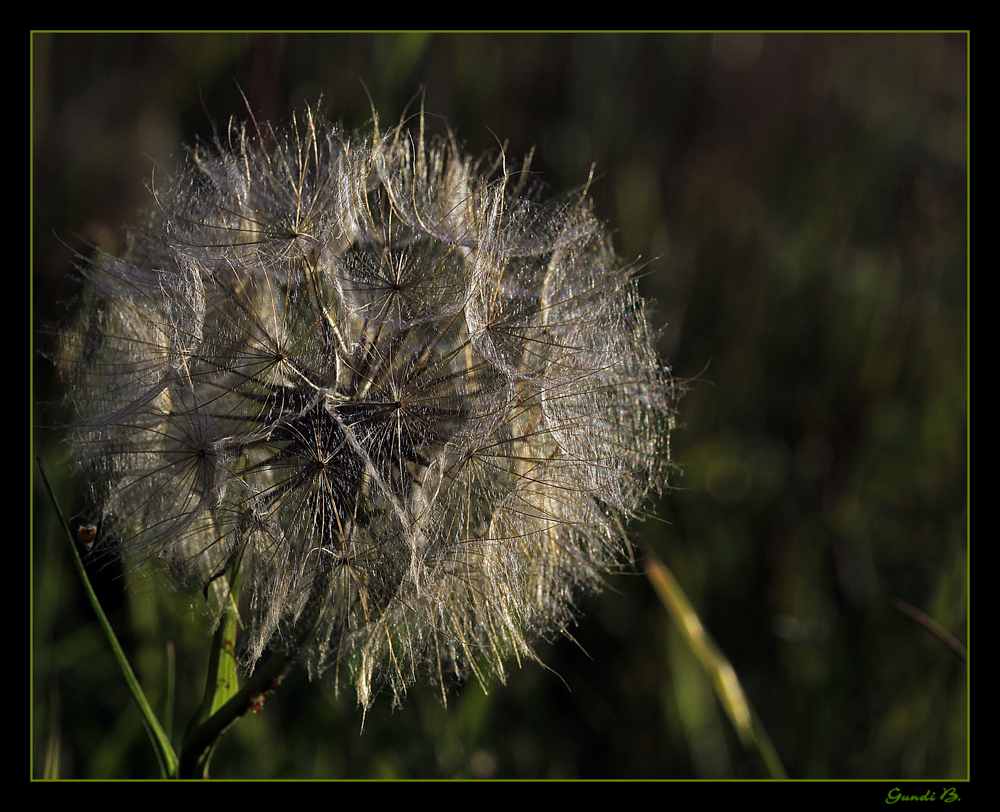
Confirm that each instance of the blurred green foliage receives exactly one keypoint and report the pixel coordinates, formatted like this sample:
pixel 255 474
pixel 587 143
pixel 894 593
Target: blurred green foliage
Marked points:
pixel 797 205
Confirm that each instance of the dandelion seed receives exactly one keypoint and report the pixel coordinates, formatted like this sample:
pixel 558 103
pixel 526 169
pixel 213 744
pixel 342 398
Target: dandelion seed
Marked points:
pixel 384 382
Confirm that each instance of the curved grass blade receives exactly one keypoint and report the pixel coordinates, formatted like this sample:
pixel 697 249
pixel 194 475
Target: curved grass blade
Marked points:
pixel 724 680
pixel 161 743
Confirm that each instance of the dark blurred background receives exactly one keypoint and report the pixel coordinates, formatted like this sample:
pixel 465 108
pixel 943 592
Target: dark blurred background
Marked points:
pixel 797 205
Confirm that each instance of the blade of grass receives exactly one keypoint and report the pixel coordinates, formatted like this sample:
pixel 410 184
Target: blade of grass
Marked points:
pixel 171 690
pixel 935 629
pixel 161 743
pixel 53 745
pixel 716 666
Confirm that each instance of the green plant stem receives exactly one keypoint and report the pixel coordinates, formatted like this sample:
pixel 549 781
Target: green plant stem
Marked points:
pixel 203 736
pixel 200 743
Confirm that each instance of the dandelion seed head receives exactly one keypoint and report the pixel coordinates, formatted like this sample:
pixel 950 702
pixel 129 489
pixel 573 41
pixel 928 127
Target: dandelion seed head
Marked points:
pixel 372 364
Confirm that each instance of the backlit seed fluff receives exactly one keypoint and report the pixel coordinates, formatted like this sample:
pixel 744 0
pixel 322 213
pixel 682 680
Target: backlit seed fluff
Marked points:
pixel 383 383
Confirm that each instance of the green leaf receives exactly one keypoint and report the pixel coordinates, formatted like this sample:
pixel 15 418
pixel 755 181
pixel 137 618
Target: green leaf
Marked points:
pixel 221 685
